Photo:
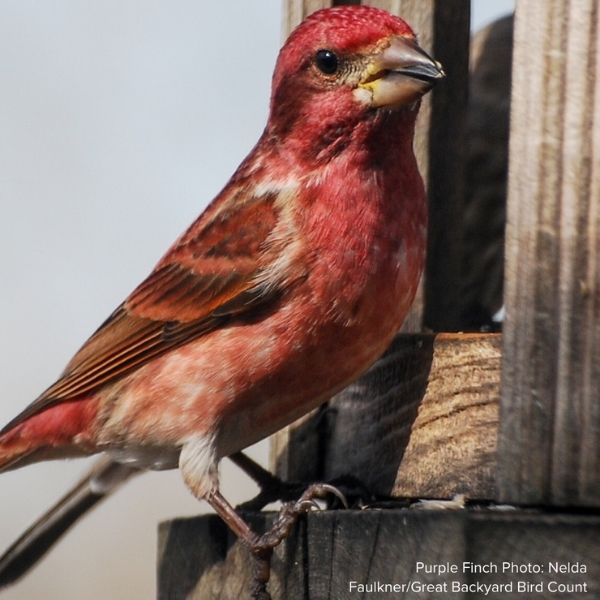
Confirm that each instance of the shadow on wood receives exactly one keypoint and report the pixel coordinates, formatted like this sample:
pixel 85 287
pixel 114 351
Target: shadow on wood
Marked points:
pixel 422 422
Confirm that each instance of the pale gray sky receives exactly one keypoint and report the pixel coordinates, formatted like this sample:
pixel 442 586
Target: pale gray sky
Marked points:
pixel 485 11
pixel 120 120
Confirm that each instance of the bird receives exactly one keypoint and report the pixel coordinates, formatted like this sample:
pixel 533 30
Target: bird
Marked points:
pixel 288 286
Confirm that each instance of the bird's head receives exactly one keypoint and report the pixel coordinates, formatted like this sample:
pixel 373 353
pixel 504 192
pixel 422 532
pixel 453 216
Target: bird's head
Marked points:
pixel 345 62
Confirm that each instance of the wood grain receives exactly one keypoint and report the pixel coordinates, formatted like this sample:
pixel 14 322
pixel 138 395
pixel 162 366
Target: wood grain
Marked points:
pixel 550 431
pixel 199 560
pixel 422 422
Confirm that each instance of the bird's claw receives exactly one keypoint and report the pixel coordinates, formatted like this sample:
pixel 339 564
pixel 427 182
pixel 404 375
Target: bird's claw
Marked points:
pixel 307 505
pixel 263 546
pixel 289 514
pixel 322 489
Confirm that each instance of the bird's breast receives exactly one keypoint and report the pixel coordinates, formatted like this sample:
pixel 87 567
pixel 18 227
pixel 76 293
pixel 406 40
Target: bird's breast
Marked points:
pixel 248 379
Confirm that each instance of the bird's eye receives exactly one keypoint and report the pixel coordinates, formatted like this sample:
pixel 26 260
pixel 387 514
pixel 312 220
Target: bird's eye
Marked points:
pixel 327 61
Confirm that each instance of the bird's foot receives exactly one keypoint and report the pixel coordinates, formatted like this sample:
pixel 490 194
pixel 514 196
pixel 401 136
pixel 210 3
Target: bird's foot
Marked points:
pixel 291 511
pixel 262 548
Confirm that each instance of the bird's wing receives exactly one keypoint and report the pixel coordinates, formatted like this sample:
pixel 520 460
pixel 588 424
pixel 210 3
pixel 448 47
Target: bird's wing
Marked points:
pixel 218 270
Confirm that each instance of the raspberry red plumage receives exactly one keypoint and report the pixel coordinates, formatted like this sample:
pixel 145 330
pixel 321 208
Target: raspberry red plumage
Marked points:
pixel 346 29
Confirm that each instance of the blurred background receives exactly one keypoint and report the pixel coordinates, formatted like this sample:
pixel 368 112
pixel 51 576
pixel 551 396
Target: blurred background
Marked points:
pixel 120 120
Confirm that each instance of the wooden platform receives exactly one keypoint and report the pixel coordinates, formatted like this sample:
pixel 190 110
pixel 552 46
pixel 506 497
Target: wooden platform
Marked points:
pixel 200 560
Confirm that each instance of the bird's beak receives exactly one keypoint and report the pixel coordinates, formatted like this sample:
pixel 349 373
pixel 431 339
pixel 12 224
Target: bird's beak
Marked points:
pixel 399 74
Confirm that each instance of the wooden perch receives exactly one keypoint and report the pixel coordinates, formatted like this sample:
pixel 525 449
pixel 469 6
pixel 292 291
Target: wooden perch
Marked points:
pixel 422 422
pixel 200 560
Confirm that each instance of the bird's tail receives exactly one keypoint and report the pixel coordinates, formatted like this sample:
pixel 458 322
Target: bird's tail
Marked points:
pixel 103 479
pixel 13 450
pixel 61 430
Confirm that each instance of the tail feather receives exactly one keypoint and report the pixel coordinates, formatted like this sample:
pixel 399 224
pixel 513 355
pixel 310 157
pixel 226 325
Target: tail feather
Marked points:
pixel 13 451
pixel 61 431
pixel 104 478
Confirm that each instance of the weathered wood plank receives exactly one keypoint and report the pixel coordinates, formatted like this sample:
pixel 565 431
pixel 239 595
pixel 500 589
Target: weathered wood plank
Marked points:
pixel 198 558
pixel 422 422
pixel 550 433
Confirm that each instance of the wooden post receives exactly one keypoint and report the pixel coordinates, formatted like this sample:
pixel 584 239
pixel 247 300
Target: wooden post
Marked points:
pixel 550 420
pixel 486 178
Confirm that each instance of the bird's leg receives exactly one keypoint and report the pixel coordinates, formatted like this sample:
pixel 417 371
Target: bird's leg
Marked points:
pixel 262 556
pixel 198 465
pixel 262 547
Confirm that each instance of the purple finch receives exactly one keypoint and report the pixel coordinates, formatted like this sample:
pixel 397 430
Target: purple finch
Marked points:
pixel 290 284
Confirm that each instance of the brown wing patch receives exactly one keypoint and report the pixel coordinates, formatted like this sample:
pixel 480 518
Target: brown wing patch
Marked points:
pixel 173 290
pixel 236 230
